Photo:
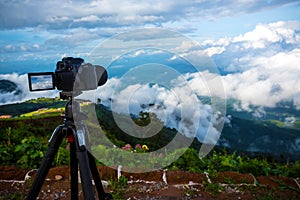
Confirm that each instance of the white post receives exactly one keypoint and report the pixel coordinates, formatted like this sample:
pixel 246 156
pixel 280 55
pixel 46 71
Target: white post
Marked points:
pixel 119 171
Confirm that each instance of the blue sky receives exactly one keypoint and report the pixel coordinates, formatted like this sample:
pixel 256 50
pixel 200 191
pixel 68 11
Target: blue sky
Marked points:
pixel 234 25
pixel 33 32
pixel 251 41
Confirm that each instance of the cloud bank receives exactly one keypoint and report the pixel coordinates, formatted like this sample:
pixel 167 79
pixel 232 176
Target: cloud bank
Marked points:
pixel 177 107
pixel 267 70
pixel 260 67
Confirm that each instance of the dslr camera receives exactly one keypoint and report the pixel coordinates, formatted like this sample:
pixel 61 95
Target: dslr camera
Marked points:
pixel 71 76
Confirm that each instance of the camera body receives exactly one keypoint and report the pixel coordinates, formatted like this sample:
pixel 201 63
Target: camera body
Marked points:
pixel 71 75
pixel 66 71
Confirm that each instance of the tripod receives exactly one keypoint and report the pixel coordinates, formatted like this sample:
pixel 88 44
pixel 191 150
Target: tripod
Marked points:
pixel 79 156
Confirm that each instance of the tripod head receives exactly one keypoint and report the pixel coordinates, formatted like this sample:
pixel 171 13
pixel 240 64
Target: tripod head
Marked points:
pixel 72 109
pixel 67 95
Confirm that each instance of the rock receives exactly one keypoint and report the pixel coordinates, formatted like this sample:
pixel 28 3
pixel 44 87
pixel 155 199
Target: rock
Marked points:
pixel 58 177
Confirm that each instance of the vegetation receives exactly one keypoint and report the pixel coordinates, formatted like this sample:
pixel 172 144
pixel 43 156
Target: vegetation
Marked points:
pixel 222 161
pixel 118 187
pixel 23 142
pixel 26 143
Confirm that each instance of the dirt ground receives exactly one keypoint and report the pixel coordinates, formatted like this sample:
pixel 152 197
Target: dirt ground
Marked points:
pixel 169 185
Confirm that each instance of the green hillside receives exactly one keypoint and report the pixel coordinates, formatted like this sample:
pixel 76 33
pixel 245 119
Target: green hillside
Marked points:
pixel 17 109
pixel 245 134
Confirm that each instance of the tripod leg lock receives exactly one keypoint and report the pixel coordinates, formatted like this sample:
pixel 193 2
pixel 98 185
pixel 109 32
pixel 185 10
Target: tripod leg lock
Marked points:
pixel 81 140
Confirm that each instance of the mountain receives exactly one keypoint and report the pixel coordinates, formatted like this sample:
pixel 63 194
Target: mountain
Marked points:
pixel 268 130
pixel 261 136
pixel 7 86
pixel 11 89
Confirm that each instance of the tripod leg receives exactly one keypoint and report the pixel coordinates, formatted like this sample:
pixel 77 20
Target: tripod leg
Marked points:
pixel 73 172
pixel 85 175
pixel 101 194
pixel 54 143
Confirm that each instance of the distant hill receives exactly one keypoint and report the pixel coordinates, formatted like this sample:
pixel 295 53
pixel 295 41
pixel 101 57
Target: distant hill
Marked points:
pixel 261 136
pixel 7 86
pixel 269 130
pixel 11 88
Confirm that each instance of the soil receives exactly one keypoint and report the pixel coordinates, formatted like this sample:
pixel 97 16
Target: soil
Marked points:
pixel 152 185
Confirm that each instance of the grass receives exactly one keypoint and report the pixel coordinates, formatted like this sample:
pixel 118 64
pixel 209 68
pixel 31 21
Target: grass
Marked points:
pixel 118 187
pixel 13 196
pixel 46 112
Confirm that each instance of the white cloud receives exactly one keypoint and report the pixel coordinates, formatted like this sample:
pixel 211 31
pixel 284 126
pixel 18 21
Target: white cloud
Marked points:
pixel 260 67
pixel 289 121
pixel 111 13
pixel 89 18
pixel 265 77
pixel 72 38
pixel 264 35
pixel 12 48
pixel 214 50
